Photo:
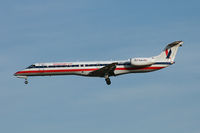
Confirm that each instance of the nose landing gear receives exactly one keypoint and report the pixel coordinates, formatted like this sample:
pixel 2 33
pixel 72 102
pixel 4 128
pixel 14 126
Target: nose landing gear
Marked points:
pixel 24 77
pixel 26 81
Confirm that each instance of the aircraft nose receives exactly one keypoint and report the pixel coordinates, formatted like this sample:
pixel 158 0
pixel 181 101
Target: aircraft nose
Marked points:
pixel 16 74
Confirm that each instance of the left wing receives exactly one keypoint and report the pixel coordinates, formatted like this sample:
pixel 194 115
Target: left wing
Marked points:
pixel 104 71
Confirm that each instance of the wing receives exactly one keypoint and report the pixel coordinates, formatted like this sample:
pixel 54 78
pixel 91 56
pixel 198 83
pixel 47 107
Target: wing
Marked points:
pixel 104 71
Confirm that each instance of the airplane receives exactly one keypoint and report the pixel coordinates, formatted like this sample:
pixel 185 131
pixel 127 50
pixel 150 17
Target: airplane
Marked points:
pixel 104 69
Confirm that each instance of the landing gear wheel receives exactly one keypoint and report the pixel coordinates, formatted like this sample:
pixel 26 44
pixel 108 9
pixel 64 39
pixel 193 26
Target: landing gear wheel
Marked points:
pixel 26 82
pixel 108 82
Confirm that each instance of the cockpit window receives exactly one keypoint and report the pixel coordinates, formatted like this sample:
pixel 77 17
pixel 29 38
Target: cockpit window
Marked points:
pixel 31 66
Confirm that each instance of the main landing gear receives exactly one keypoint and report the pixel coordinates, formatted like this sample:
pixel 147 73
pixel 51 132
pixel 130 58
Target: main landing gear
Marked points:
pixel 107 79
pixel 108 82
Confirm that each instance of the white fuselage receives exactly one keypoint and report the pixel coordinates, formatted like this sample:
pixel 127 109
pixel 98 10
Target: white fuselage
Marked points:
pixel 84 68
pixel 104 68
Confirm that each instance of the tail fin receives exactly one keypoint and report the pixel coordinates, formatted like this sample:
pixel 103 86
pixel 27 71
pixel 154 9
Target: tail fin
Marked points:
pixel 169 52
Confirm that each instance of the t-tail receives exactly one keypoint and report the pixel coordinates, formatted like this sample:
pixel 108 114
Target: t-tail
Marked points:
pixel 169 53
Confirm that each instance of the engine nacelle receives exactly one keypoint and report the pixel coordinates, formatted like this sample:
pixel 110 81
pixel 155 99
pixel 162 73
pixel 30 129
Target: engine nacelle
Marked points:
pixel 141 61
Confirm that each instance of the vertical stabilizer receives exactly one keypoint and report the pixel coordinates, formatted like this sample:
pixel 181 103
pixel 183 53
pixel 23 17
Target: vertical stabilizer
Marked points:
pixel 169 53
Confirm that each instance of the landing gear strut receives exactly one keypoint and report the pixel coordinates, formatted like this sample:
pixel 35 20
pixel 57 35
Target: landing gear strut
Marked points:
pixel 107 79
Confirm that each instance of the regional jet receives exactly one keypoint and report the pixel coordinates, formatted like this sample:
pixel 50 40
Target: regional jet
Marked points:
pixel 104 69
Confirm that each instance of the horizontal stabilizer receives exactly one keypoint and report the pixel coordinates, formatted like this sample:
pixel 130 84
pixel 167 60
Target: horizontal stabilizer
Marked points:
pixel 173 44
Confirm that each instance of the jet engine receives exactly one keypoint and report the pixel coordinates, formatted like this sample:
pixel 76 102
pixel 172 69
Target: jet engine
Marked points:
pixel 142 61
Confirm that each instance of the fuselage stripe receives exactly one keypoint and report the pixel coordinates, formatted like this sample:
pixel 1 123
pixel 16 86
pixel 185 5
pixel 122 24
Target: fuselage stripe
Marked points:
pixel 80 70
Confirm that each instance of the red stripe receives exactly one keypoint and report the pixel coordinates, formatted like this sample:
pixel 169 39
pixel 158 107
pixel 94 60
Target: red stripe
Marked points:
pixel 76 70
pixel 166 52
pixel 65 70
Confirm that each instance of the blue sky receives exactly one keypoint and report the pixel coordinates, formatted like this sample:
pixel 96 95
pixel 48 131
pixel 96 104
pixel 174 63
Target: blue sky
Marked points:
pixel 49 31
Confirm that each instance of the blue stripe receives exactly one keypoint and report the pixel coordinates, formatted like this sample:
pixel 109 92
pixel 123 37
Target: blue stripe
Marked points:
pixel 169 54
pixel 163 63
